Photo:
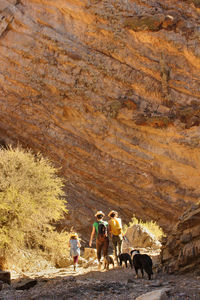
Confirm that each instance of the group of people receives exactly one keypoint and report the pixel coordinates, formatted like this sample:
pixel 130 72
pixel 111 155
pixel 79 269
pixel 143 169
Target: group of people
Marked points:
pixel 102 230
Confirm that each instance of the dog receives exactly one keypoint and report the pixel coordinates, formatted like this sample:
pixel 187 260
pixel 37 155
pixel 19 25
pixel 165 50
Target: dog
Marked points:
pixel 142 262
pixel 125 257
pixel 108 260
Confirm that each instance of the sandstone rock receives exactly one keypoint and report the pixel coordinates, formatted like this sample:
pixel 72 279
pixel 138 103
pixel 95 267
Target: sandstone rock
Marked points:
pixel 156 283
pixel 148 22
pixel 6 286
pixel 82 261
pixel 196 3
pixel 139 237
pixel 90 263
pixel 90 253
pixel 169 22
pixel 64 262
pixel 185 238
pixel 166 255
pixel 28 285
pixel 182 250
pixel 154 295
pixel 5 276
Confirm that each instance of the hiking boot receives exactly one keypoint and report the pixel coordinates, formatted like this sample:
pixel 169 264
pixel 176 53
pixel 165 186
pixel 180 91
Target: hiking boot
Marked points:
pixel 74 267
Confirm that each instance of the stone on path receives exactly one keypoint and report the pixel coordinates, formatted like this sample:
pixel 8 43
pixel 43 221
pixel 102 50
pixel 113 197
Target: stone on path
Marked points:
pixel 154 295
pixel 81 261
pixel 5 276
pixel 27 285
pixel 64 262
pixel 90 253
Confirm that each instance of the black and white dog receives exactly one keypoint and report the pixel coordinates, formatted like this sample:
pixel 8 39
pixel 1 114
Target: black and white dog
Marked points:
pixel 125 257
pixel 142 262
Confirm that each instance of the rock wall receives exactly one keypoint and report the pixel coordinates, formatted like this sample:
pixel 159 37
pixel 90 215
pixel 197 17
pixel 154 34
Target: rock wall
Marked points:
pixel 109 90
pixel 181 249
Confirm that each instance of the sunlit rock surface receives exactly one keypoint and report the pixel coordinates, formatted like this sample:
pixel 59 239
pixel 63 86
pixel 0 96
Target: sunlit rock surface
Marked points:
pixel 138 236
pixel 109 90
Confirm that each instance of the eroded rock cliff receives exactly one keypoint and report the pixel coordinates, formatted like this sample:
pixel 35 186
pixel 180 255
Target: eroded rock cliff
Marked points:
pixel 109 90
pixel 181 249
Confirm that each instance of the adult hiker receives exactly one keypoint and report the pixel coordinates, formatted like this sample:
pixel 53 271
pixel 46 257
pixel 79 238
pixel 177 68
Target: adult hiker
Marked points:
pixel 100 227
pixel 115 230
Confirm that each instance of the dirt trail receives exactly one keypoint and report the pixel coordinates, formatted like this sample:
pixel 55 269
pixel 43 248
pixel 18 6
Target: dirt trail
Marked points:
pixel 90 283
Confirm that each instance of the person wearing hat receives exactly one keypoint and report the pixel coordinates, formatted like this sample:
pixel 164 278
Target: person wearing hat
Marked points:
pixel 75 245
pixel 100 228
pixel 115 230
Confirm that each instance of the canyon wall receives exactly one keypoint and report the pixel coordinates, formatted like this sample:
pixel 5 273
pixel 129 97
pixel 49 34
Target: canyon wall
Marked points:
pixel 109 90
pixel 181 249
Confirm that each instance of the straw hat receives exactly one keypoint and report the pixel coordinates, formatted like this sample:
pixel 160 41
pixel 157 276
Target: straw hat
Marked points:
pixel 98 213
pixel 75 235
pixel 113 212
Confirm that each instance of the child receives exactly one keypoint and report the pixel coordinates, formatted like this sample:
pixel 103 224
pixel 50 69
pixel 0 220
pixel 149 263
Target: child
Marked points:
pixel 74 248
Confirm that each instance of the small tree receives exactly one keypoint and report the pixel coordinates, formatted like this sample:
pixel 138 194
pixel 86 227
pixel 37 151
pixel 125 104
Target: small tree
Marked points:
pixel 31 199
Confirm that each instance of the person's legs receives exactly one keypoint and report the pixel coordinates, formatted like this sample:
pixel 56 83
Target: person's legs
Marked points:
pixel 114 241
pixel 99 246
pixel 120 240
pixel 105 246
pixel 117 244
pixel 75 258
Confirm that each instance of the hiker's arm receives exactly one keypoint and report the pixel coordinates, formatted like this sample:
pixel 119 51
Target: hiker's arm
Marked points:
pixel 92 235
pixel 79 244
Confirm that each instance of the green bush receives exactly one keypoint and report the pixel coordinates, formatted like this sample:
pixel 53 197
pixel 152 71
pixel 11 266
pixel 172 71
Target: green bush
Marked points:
pixel 31 201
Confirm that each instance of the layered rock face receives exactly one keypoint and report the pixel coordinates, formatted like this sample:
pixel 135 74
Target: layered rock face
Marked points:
pixel 109 90
pixel 181 249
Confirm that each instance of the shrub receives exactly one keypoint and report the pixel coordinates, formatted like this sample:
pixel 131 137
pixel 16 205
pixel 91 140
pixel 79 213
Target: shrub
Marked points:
pixel 151 226
pixel 31 201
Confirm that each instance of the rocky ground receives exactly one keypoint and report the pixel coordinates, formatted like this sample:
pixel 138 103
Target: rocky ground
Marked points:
pixel 91 283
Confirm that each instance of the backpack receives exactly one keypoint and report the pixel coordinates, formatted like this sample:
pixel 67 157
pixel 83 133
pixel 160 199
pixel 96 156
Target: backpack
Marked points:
pixel 116 226
pixel 102 231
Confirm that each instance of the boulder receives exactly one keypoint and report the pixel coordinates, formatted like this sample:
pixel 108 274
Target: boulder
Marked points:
pixel 82 261
pixel 139 237
pixel 90 263
pixel 64 262
pixel 154 295
pixel 90 253
pixel 5 276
